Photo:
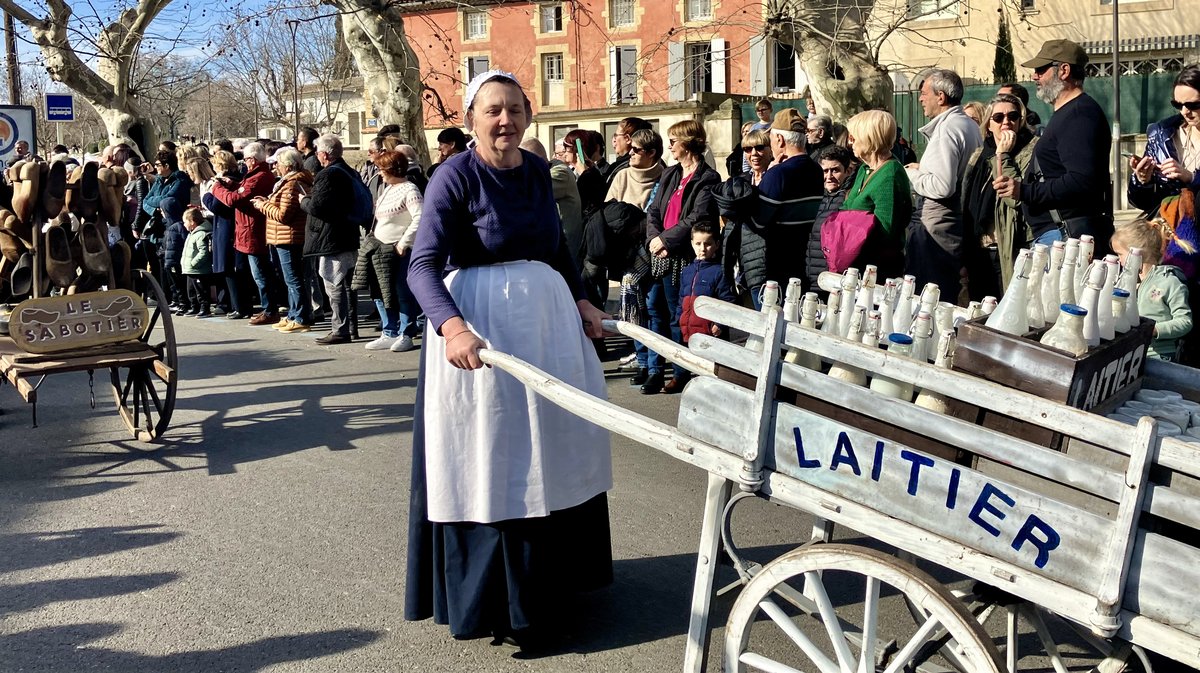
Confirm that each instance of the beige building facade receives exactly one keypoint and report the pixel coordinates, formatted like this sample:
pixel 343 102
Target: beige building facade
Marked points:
pixel 1155 35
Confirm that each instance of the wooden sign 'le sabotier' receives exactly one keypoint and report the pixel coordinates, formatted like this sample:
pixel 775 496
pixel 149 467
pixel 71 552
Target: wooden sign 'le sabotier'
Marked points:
pixel 55 324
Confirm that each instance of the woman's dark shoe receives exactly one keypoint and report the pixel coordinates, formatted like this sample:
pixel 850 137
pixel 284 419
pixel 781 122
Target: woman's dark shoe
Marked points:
pixel 640 377
pixel 653 385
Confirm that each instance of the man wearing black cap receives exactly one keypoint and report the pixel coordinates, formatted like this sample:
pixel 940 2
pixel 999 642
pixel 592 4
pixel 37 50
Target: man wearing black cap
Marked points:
pixel 1066 193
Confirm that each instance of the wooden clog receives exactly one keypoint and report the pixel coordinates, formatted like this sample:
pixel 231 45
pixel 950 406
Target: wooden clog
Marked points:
pixel 59 265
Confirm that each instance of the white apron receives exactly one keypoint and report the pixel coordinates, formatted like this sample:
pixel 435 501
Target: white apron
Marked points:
pixel 495 450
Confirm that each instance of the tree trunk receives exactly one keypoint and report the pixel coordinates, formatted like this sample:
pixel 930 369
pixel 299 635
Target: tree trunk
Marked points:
pixel 830 37
pixel 107 87
pixel 374 33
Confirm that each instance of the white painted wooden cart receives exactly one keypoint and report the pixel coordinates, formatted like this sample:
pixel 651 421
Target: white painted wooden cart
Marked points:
pixel 1106 545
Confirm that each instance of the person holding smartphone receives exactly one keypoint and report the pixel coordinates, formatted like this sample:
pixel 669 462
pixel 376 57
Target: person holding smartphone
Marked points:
pixel 1170 165
pixel 286 223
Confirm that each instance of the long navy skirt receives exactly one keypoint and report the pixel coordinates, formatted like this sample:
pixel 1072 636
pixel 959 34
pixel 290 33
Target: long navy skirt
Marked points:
pixel 503 577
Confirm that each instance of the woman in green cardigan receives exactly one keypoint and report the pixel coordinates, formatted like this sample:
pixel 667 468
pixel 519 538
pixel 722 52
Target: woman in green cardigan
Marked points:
pixel 881 188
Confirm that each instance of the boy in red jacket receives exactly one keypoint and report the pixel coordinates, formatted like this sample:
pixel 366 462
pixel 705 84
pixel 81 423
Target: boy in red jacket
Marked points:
pixel 704 277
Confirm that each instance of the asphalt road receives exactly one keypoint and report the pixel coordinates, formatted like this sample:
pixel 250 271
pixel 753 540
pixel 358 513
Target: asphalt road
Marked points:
pixel 266 534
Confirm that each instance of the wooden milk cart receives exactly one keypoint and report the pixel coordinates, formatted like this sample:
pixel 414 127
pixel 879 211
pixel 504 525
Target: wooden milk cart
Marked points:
pixel 1109 549
pixel 57 234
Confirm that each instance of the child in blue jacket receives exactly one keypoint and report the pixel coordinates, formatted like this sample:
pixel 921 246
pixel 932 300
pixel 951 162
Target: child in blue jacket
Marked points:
pixel 704 277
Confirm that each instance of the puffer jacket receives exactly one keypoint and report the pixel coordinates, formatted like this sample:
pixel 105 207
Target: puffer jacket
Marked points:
pixel 375 270
pixel 250 225
pixel 198 251
pixel 176 186
pixel 814 257
pixel 700 279
pixel 745 242
pixel 174 240
pixel 285 219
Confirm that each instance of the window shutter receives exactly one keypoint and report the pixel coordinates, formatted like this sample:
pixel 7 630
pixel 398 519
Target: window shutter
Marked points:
pixel 758 66
pixel 629 75
pixel 719 54
pixel 676 71
pixel 614 76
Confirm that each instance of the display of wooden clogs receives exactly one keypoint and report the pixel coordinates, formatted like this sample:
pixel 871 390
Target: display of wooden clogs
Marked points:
pixel 58 228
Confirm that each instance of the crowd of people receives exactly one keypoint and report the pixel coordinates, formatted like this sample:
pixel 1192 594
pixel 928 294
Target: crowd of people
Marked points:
pixel 277 234
pixel 504 245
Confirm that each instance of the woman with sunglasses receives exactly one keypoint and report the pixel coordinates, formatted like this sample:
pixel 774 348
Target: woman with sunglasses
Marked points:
pixel 756 147
pixel 635 185
pixel 1171 164
pixel 995 227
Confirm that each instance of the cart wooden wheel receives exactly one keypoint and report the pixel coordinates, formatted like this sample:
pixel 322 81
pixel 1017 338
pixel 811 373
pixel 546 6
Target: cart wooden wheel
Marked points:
pixel 145 391
pixel 847 638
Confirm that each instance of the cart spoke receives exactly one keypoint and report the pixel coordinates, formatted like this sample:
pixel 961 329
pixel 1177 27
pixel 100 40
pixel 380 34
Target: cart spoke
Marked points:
pixel 815 588
pixel 144 384
pixel 866 662
pixel 910 648
pixel 153 323
pixel 764 664
pixel 785 623
pixel 137 394
pixel 125 390
pixel 149 382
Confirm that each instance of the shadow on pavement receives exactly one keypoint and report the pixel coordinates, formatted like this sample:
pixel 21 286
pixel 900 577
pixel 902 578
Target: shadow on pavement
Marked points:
pixel 16 598
pixel 33 550
pixel 65 648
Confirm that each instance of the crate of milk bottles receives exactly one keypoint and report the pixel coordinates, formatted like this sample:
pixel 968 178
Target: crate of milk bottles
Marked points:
pixel 1063 330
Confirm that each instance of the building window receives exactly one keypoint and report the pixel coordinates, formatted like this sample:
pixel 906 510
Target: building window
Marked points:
pixel 933 9
pixel 476 65
pixel 624 72
pixel 1028 5
pixel 621 13
pixel 553 80
pixel 785 68
pixel 476 23
pixel 699 67
pixel 551 17
pixel 699 9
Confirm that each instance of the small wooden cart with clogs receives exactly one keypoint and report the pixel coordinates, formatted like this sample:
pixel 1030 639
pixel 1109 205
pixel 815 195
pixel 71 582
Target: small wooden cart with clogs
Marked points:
pixel 129 334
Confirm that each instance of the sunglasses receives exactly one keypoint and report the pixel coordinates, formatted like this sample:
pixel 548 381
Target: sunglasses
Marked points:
pixel 1192 105
pixel 638 150
pixel 752 148
pixel 1045 68
pixel 1013 117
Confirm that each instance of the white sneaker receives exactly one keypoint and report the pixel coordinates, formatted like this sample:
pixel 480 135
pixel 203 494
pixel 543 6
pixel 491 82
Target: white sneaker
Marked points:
pixel 382 343
pixel 402 343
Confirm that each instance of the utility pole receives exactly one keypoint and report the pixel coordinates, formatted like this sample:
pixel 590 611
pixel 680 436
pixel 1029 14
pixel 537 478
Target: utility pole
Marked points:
pixel 14 68
pixel 254 88
pixel 294 25
pixel 1118 185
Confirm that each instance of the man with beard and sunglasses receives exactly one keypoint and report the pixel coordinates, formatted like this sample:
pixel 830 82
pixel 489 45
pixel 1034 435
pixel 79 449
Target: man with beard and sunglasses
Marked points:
pixel 1066 193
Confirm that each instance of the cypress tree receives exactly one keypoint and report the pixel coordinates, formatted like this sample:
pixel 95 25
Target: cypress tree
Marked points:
pixel 1004 69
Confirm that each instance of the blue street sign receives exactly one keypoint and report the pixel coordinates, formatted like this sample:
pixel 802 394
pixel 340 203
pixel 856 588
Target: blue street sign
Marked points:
pixel 60 107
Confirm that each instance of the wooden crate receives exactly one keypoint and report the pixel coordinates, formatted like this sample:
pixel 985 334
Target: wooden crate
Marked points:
pixel 1086 382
